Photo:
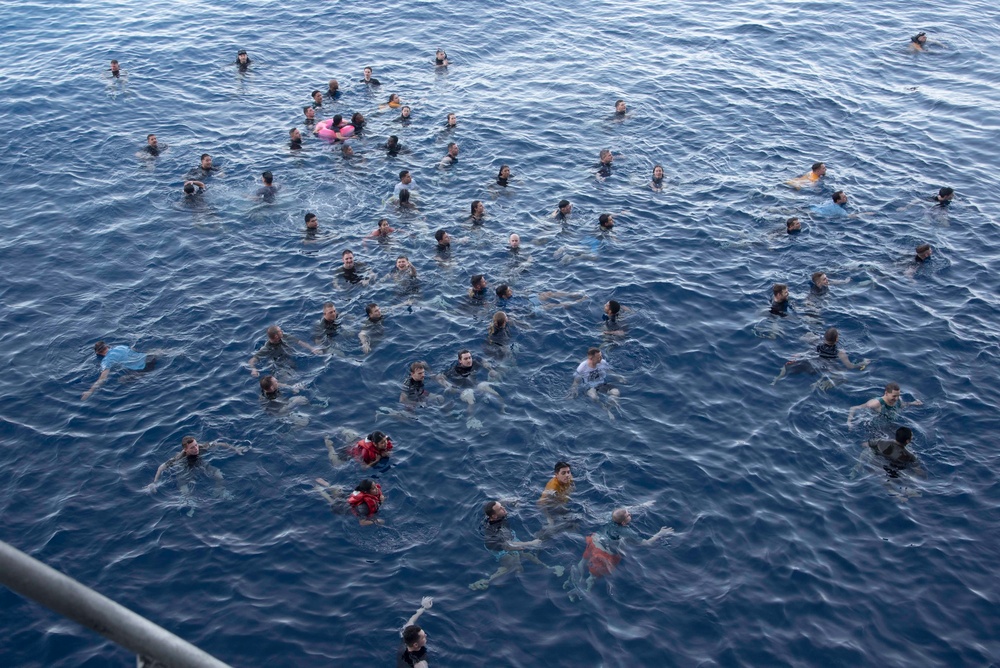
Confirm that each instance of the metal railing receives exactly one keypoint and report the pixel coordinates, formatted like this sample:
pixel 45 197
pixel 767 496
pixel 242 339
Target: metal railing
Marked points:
pixel 152 644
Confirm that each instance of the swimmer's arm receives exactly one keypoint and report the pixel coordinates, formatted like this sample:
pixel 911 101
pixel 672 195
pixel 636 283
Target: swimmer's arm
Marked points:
pixel 915 402
pixel 846 361
pixel 665 531
pixel 366 345
pixel 159 471
pixel 311 348
pixel 253 366
pixel 872 405
pixel 199 184
pixel 97 384
pixel 518 545
pixel 425 604
pixel 219 444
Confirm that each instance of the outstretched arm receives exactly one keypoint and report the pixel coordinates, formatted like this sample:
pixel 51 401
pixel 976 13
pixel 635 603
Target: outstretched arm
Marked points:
pixel 93 388
pixel 425 604
pixel 665 531
pixel 237 449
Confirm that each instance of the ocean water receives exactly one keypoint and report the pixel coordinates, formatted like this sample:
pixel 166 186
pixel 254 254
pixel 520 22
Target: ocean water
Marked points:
pixel 792 546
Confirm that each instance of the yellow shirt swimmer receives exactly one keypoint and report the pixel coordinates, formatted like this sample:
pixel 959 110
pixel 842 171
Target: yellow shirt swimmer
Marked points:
pixel 809 178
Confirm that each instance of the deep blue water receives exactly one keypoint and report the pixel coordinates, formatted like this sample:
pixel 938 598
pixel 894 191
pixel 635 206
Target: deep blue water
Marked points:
pixel 792 547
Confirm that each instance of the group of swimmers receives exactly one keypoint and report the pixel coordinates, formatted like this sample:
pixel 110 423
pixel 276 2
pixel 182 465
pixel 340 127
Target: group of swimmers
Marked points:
pixel 604 547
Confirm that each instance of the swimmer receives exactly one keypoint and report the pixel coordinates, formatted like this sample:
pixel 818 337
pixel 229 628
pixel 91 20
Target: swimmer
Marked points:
pixel 116 71
pixel 359 122
pixel 383 231
pixel 451 157
pixel 191 456
pixel 503 176
pixel 404 199
pixel 836 209
pixel 365 502
pixel 821 283
pixel 514 243
pixel 368 451
pixel 294 139
pixel 440 58
pixel 918 41
pixel 895 450
pixel 204 169
pixel 367 78
pixel 593 374
pixel 373 325
pixel 944 197
pixel 270 394
pixel 393 147
pixel 393 103
pixel 604 166
pixel 353 272
pixel 333 89
pixel 193 188
pixel 924 252
pixel 310 114
pixel 346 152
pixel 499 332
pixel 405 183
pixel 413 652
pixel 606 222
pixel 812 177
pixel 501 540
pixel 656 185
pixel 403 270
pixel 547 300
pixel 779 299
pixel 605 549
pixel 558 489
pixel 443 241
pixel 242 60
pixel 317 98
pixel 312 223
pixel 477 212
pixel 827 352
pixel 328 325
pixel 413 392
pixel 793 225
pixel 122 356
pixel 477 291
pixel 267 191
pixel 452 122
pixel 888 406
pixel 152 147
pixel 278 349
pixel 620 109
pixel 612 311
pixel 463 375
pixel 404 115
pixel 563 210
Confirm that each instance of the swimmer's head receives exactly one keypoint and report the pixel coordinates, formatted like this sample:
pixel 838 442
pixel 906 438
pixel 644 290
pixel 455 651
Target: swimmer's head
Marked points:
pixel 442 237
pixel 499 320
pixel 924 251
pixel 392 142
pixel 819 168
pixel 405 112
pixel 478 282
pixel 563 472
pixel 366 486
pixel 606 157
pixel 831 336
pixel 294 134
pixel 620 107
pixel 206 161
pixel 373 312
pixel 333 86
pixel 274 334
pixel 504 292
pixel 658 173
pixel 565 207
pixel 312 222
pixel 621 516
pixel 414 637
pixel 402 262
pixel 452 120
pixel 269 386
pixel 309 112
pixel 820 280
pixel 114 66
pixel 242 56
pixel 100 349
pixel 452 149
pixel 780 291
pixel 368 73
pixel 329 311
pixel 904 435
pixel 839 197
pixel 267 178
pixel 317 97
pixel 404 177
pixel 919 38
pixel 379 439
pixel 189 188
pixel 494 511
pixel 892 389
pixel 190 445
pixel 151 140
pixel 793 224
pixel 348 257
pixel 504 172
pixel 514 240
pixel 404 197
pixel 465 358
pixel 946 194
pixel 612 308
pixel 477 208
pixel 606 220
pixel 358 121
pixel 440 56
pixel 346 151
pixel 594 355
pixel 394 100
pixel 418 370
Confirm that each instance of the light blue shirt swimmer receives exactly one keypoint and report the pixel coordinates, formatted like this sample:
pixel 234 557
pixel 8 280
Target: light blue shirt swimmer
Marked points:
pixel 835 209
pixel 118 356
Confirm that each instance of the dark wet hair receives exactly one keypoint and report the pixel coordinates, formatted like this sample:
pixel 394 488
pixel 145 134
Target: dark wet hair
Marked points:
pixel 817 165
pixel 346 251
pixel 268 177
pixel 367 486
pixel 923 248
pixel 817 274
pixel 463 351
pixel 489 506
pixel 313 94
pixel 186 440
pixel 337 120
pixel 791 221
pixel 265 384
pixel 310 216
pixel 831 335
pixel 604 219
pixel 358 121
pixel 273 330
pixel 891 387
pixel 563 203
pixel 153 134
pixel 502 290
pixel 560 466
pixel 205 155
pixel 403 173
pixel 592 351
pixel 614 307
pixel 916 38
pixel 100 346
pixel 778 288
pixel 393 140
pixel 241 52
pixel 439 235
pixel 476 279
pixel 404 196
pixel 836 195
pixel 904 435
pixel 419 364
pixel 946 192
pixel 369 308
pixel 376 437
pixel 189 188
pixel 411 634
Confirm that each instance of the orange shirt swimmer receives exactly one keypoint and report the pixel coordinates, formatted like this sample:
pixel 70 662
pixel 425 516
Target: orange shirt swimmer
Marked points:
pixel 558 489
pixel 809 178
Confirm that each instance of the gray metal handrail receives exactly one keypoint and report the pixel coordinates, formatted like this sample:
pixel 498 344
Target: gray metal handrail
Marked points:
pixel 33 579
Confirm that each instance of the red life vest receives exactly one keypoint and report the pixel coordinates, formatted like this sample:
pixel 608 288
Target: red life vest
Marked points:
pixel 366 451
pixel 371 500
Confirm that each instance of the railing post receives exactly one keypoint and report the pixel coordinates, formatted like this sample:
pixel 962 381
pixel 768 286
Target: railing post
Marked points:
pixel 64 595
